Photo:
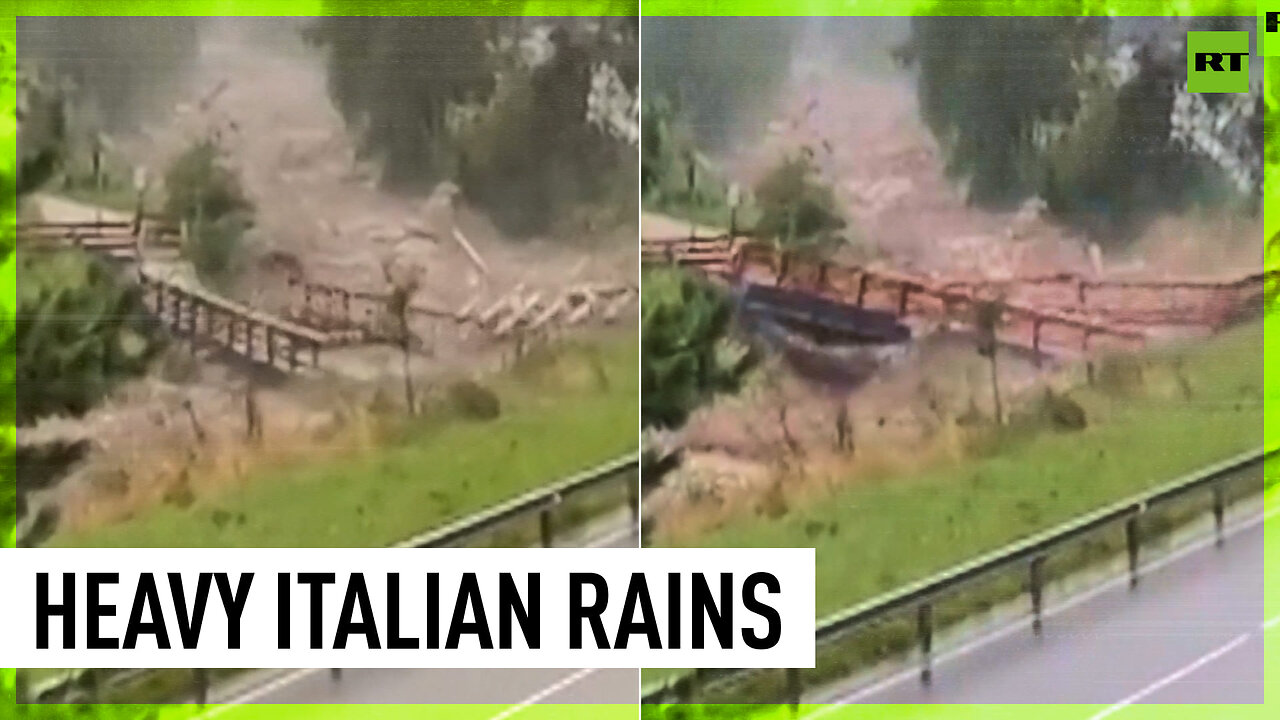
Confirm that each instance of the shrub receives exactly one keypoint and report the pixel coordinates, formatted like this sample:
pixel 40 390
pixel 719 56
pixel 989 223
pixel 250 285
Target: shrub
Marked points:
pixel 796 207
pixel 79 331
pixel 474 401
pixel 208 196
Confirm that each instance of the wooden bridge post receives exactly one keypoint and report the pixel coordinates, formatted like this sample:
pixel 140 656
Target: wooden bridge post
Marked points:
pixel 175 322
pixel 271 345
pixel 210 314
pixel 193 318
pixel 293 353
pixel 315 353
pixel 231 331
pixel 862 288
pixel 249 328
pixel 346 308
pixel 160 293
pixel 902 299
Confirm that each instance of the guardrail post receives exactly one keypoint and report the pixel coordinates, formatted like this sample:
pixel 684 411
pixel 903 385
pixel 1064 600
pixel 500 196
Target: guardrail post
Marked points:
pixel 1132 539
pixel 21 688
pixel 1219 512
pixel 1037 594
pixel 633 500
pixel 795 688
pixel 924 629
pixel 545 528
pixel 201 677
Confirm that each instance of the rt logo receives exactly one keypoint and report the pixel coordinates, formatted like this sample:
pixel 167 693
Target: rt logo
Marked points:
pixel 1268 31
pixel 1218 61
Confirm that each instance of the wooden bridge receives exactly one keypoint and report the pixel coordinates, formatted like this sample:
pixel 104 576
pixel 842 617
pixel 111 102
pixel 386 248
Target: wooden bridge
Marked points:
pixel 187 311
pixel 1062 315
pixel 354 315
pixel 252 335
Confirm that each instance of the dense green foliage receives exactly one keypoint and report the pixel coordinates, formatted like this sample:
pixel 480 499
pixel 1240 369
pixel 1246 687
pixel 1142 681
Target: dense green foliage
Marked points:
pixel 207 195
pixel 983 105
pixel 685 354
pixel 674 177
pixel 797 209
pixel 1059 112
pixel 79 331
pixel 458 98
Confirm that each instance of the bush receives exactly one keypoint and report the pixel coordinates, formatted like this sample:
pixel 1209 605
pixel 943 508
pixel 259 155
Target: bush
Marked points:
pixel 208 196
pixel 474 401
pixel 684 359
pixel 796 207
pixel 79 331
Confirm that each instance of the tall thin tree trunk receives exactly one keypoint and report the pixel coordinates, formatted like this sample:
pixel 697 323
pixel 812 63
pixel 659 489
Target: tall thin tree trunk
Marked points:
pixel 995 387
pixel 409 399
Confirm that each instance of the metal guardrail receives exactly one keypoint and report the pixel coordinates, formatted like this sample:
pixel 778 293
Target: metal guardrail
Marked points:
pixel 921 594
pixel 542 501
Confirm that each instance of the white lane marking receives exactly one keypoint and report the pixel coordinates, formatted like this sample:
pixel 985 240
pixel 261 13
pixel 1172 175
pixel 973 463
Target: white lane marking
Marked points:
pixel 287 678
pixel 1173 677
pixel 537 697
pixel 1021 623
pixel 611 538
pixel 256 692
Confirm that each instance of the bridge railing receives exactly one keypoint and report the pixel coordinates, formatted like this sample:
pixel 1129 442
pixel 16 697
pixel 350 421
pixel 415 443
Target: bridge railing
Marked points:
pixel 1030 553
pixel 239 328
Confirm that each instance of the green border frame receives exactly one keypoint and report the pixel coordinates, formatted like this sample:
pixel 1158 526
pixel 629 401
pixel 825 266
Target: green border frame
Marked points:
pixel 625 7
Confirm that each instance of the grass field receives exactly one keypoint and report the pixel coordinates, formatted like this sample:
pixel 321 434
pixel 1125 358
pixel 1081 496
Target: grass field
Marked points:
pixel 559 415
pixel 881 533
pixel 886 532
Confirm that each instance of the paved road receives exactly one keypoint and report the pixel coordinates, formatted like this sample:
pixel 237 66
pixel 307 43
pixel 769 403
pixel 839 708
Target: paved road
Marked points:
pixel 514 687
pixel 1190 633
pixel 488 687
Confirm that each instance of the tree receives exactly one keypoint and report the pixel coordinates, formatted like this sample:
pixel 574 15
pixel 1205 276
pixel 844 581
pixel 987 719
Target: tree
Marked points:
pixel 984 106
pixel 206 194
pixel 685 354
pixel 797 210
pixel 464 99
pixel 395 78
